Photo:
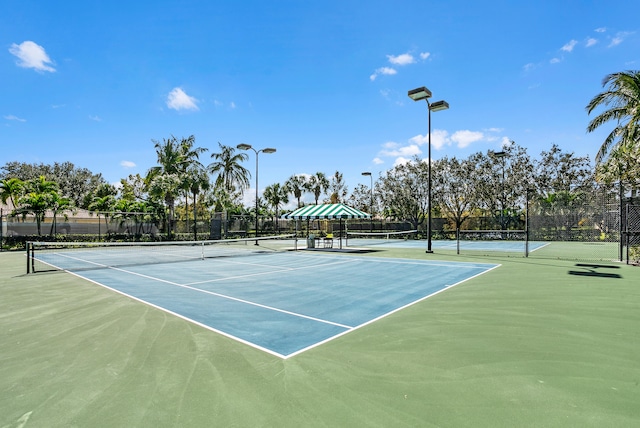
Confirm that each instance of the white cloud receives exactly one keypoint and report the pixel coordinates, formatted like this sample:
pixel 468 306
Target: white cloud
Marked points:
pixel 390 145
pixel 591 41
pixel 528 67
pixel 619 38
pixel 465 138
pixel 383 70
pixel 16 118
pixel 95 118
pixel 615 41
pixel 555 60
pixel 569 46
pixel 505 142
pixel 600 30
pixel 410 150
pixel 402 59
pixel 179 100
pixel 425 55
pixel 232 105
pixel 401 161
pixel 439 139
pixel 127 164
pixel 32 55
pixel 378 161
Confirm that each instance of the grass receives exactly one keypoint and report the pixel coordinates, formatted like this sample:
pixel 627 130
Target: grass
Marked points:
pixel 537 342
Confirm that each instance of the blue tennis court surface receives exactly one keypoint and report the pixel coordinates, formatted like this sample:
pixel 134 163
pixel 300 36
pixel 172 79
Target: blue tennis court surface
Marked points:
pixel 284 303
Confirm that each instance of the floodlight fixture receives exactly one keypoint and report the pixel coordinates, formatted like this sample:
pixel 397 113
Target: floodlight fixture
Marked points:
pixel 438 105
pixel 419 94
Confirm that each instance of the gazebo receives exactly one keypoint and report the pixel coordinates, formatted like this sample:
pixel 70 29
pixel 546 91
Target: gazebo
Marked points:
pixel 327 212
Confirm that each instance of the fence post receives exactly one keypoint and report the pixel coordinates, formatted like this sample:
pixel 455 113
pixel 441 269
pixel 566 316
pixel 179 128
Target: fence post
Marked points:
pixel 620 229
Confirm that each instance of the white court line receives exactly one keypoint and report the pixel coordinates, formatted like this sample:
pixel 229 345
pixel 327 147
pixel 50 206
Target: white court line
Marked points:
pixel 280 269
pixel 224 296
pixel 371 321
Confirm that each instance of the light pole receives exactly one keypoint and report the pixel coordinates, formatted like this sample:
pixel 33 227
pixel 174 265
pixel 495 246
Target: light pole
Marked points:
pixel 501 155
pixel 371 203
pixel 257 152
pixel 420 94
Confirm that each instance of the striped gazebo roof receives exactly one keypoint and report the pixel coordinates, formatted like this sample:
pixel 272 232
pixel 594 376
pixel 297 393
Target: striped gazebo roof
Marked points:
pixel 326 211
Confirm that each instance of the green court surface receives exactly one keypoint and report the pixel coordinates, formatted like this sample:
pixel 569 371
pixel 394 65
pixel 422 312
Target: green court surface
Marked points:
pixel 534 342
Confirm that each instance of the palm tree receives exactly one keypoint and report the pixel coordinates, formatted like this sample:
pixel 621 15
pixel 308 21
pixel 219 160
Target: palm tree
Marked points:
pixel 317 184
pixel 623 96
pixel 103 205
pixel 228 169
pixel 41 185
pixel 10 190
pixel 296 184
pixel 174 158
pixel 189 168
pixel 196 180
pixel 38 199
pixel 276 195
pixel 58 204
pixel 36 204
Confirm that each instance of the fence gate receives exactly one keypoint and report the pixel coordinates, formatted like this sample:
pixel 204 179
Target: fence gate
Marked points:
pixel 632 233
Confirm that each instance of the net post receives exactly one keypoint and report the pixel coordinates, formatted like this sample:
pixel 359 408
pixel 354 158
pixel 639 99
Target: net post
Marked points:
pixel 526 226
pixel 202 250
pixel 457 240
pixel 28 245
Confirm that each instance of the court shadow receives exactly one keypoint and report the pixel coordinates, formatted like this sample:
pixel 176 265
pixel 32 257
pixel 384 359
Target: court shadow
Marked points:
pixel 592 272
pixel 596 274
pixel 594 266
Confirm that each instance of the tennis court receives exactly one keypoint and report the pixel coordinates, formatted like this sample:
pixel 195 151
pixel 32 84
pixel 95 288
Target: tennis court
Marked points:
pixel 398 241
pixel 282 302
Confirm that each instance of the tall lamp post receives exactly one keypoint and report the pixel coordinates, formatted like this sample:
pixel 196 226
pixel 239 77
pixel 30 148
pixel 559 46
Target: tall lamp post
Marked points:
pixel 367 173
pixel 501 155
pixel 420 94
pixel 257 152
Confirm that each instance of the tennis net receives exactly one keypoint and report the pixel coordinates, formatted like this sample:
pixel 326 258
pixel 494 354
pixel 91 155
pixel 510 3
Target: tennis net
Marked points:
pixel 72 256
pixel 378 238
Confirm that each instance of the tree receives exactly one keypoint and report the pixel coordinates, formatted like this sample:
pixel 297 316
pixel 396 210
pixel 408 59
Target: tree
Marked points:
pixel 404 192
pixel 502 182
pixel 196 180
pixel 454 189
pixel 276 195
pixel 227 166
pixel 132 188
pixel 556 171
pixel 10 190
pixel 74 183
pixel 622 95
pixel 174 158
pixel 38 199
pixel 57 205
pixel 36 204
pixel 338 188
pixel 296 184
pixel 361 198
pixel 622 165
pixel 166 188
pixel 317 184
pixel 103 205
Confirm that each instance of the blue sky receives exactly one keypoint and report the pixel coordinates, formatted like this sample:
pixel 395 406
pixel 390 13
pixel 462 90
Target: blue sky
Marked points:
pixel 324 82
